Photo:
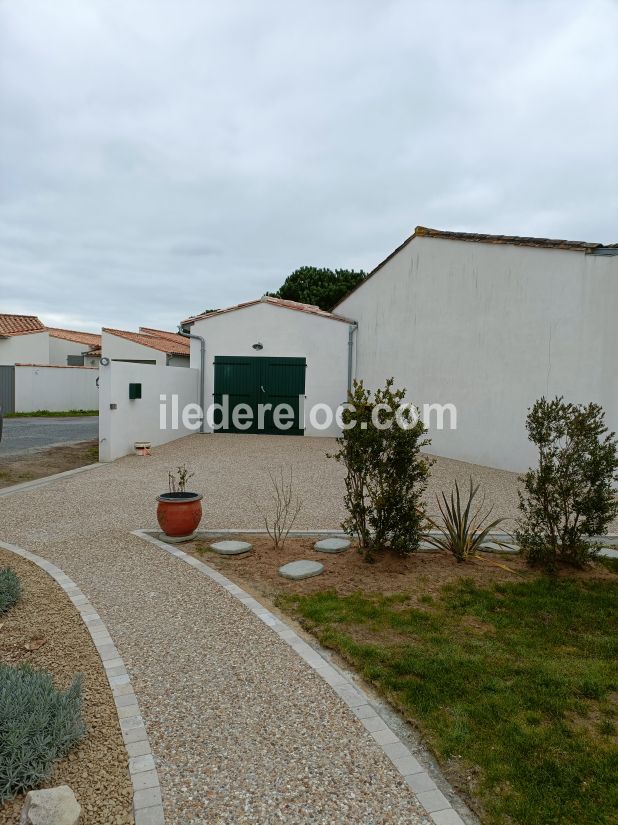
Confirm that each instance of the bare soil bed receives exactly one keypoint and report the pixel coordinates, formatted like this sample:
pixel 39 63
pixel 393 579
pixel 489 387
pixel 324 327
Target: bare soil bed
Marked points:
pixel 45 631
pixel 420 574
pixel 15 469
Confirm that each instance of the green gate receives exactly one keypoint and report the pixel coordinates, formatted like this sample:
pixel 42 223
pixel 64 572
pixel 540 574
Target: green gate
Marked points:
pixel 260 381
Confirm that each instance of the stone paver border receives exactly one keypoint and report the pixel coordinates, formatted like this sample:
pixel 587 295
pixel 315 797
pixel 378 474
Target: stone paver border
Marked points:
pixel 147 803
pixel 421 784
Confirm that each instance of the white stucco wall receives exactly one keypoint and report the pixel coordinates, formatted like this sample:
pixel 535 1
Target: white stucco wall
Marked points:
pixel 139 420
pixel 116 348
pixel 25 349
pixel 178 361
pixel 56 389
pixel 283 333
pixel 490 328
pixel 60 349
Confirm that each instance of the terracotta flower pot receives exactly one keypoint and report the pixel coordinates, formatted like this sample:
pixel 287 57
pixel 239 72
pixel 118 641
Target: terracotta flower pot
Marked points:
pixel 179 514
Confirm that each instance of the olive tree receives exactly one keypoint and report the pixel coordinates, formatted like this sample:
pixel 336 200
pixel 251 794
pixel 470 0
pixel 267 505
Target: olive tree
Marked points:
pixel 569 497
pixel 386 474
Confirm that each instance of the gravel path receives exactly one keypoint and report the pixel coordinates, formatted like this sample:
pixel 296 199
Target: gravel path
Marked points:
pixel 45 613
pixel 242 729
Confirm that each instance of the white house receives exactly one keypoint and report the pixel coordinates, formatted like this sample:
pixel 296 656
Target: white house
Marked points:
pixel 44 368
pixel 69 347
pixel 148 346
pixel 23 340
pixel 490 323
pixel 485 323
pixel 273 352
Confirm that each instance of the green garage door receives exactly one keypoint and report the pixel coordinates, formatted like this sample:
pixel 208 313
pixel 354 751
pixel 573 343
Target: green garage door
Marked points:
pixel 255 381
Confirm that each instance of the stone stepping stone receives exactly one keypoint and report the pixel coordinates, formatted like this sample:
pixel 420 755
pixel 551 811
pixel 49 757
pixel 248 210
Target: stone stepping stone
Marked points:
pixel 332 545
pixel 231 547
pixel 301 569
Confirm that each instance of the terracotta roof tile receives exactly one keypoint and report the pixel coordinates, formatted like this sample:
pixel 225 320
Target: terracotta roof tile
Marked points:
pixel 515 240
pixel 279 302
pixel 19 324
pixel 162 333
pixel 90 339
pixel 173 345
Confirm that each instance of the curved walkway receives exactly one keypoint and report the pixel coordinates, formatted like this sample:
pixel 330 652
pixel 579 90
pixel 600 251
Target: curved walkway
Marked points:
pixel 141 762
pixel 242 728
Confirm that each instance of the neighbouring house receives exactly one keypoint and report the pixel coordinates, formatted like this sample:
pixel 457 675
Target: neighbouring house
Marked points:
pixel 68 347
pixel 23 340
pixel 148 346
pixel 44 368
pixel 487 323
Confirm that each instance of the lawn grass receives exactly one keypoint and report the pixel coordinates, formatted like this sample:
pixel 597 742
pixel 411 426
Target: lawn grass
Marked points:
pixel 52 414
pixel 610 563
pixel 514 687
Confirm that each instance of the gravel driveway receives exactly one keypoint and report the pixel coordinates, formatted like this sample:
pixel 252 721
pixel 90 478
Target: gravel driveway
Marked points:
pixel 242 729
pixel 24 435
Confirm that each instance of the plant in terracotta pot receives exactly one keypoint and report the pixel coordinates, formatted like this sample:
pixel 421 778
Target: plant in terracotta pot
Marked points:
pixel 179 512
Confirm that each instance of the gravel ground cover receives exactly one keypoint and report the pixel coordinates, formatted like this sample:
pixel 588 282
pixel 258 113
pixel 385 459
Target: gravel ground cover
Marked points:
pixel 242 730
pixel 45 621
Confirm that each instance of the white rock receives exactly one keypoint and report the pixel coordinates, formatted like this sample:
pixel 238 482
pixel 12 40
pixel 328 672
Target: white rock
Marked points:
pixel 51 806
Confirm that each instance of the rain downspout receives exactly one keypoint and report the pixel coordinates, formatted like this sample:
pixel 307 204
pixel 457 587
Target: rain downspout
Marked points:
pixel 202 369
pixel 351 330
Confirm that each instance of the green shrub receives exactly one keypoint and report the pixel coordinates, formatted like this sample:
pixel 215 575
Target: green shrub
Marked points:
pixel 570 496
pixel 462 531
pixel 38 724
pixel 385 472
pixel 10 589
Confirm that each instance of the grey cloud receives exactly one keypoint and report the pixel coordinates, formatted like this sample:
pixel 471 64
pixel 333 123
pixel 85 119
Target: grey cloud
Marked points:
pixel 153 163
pixel 195 250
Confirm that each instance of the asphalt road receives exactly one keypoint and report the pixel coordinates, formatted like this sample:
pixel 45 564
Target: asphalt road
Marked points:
pixel 24 435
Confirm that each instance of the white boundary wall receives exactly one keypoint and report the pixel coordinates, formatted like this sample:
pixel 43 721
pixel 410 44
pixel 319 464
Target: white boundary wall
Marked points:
pixel 55 388
pixel 138 420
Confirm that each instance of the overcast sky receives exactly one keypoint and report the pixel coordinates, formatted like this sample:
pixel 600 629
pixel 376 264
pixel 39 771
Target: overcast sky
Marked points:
pixel 160 157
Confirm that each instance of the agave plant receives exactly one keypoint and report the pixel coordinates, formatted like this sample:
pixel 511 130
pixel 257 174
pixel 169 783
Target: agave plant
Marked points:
pixel 462 532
